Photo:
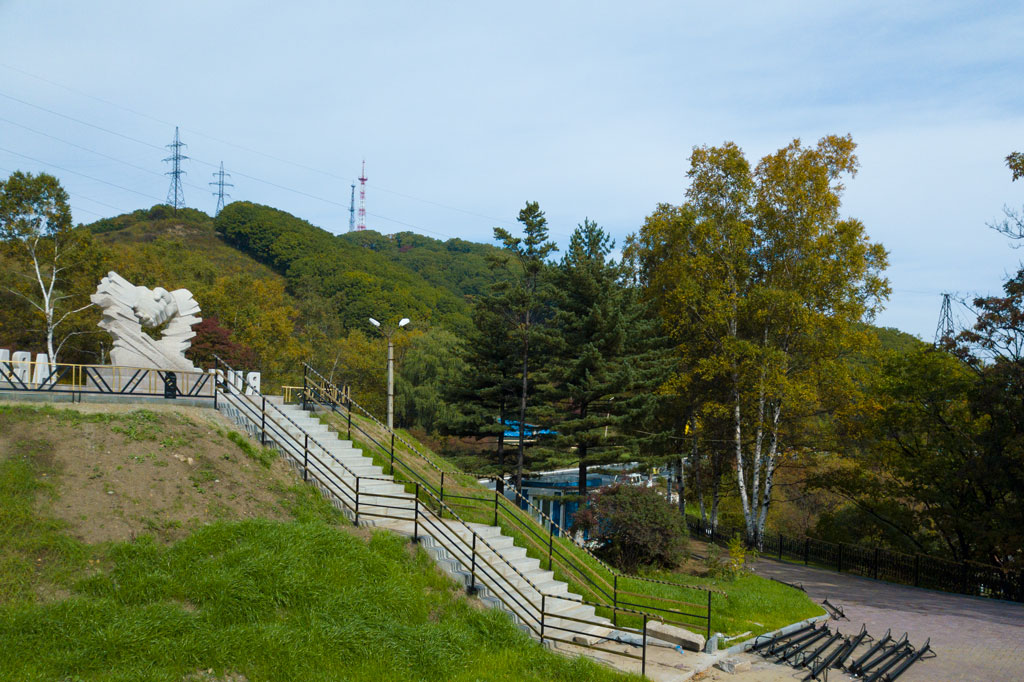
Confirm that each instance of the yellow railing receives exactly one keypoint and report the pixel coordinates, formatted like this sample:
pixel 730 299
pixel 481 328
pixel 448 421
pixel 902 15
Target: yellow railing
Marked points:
pixel 21 375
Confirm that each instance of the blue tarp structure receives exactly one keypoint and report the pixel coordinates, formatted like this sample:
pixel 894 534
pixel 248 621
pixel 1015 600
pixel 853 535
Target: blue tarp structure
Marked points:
pixel 529 432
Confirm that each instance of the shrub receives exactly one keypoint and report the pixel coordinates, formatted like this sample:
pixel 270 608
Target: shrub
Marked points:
pixel 634 527
pixel 732 567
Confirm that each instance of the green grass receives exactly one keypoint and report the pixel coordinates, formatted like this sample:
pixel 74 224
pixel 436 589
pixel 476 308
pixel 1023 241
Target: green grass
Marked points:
pixel 269 600
pixel 747 603
pixel 264 456
pixel 34 550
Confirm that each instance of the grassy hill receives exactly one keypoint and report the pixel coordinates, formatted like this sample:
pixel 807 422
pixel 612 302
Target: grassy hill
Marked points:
pixel 157 545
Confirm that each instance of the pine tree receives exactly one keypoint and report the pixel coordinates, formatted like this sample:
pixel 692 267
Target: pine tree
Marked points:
pixel 590 371
pixel 486 394
pixel 523 297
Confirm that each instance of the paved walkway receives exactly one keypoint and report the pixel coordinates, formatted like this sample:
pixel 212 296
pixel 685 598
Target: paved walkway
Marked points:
pixel 976 639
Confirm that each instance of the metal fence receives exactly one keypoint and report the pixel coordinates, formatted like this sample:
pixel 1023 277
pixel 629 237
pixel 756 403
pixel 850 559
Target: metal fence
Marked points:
pixel 919 570
pixel 74 379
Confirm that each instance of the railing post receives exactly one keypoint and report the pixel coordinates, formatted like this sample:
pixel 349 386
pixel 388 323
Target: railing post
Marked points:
pixel 263 422
pixel 551 540
pixel 305 371
pixel 917 570
pixel 393 452
pixel 357 500
pixel 350 423
pixel 441 505
pixel 807 549
pixel 495 507
pixel 708 638
pixel 615 599
pixel 472 570
pixel 643 655
pixel 543 608
pixel 305 459
pixel 216 372
pixel 416 516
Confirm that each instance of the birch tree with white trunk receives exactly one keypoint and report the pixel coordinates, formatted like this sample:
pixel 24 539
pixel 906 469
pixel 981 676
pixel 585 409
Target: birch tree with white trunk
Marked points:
pixel 42 247
pixel 765 285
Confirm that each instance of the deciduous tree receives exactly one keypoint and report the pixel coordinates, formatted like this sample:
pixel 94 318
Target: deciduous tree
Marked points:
pixel 44 249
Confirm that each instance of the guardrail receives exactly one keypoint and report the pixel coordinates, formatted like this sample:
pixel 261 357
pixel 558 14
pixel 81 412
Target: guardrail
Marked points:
pixel 477 557
pixel 919 570
pixel 75 379
pixel 605 589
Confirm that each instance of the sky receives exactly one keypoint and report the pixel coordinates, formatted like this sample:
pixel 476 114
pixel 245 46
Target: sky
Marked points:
pixel 465 111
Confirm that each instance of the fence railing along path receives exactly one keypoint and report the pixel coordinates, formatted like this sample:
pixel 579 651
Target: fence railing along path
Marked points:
pixel 552 543
pixel 481 554
pixel 919 570
pixel 28 376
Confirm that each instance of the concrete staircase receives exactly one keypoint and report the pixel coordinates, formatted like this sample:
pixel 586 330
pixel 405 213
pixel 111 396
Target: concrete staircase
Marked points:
pixel 501 573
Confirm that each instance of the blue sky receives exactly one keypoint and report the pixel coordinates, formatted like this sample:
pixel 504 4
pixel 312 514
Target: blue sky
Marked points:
pixel 464 111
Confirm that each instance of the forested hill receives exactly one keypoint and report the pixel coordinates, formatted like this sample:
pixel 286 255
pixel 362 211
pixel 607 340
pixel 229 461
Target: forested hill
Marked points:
pixel 285 290
pixel 352 276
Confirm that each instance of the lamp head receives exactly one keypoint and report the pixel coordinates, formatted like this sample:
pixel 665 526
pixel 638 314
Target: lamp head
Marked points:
pixel 374 322
pixel 404 321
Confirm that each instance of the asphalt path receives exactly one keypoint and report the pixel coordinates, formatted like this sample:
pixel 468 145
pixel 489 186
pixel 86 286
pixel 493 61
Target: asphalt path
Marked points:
pixel 976 639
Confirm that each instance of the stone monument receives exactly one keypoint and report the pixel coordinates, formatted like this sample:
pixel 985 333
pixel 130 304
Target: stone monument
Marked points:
pixel 128 308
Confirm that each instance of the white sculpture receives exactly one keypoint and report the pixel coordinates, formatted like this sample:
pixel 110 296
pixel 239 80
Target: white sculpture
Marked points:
pixel 127 308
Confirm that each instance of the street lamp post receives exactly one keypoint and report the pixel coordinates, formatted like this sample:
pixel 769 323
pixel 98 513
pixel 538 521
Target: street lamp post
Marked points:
pixel 388 332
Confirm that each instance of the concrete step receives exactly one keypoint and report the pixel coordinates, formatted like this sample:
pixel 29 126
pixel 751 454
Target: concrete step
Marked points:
pixel 519 581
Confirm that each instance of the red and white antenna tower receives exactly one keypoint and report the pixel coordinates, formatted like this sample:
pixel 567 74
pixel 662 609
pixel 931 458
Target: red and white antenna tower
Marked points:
pixel 362 199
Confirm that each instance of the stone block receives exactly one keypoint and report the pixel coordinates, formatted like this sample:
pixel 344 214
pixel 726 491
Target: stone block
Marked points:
pixel 675 635
pixel 733 665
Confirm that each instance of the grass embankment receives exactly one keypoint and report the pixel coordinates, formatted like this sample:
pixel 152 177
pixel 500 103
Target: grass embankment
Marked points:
pixel 738 605
pixel 303 597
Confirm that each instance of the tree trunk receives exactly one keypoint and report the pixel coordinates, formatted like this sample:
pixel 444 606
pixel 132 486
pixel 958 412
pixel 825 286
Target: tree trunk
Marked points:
pixel 716 480
pixel 741 482
pixel 769 473
pixel 697 472
pixel 501 438
pixel 755 474
pixel 522 416
pixel 681 487
pixel 581 448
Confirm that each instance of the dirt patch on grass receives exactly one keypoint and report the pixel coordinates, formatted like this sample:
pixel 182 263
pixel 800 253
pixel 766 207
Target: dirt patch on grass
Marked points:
pixel 121 471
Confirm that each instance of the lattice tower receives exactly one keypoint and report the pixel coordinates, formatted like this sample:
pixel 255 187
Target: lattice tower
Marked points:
pixel 175 194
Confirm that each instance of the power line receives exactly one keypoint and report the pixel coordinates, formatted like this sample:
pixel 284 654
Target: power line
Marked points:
pixel 499 221
pixel 175 195
pixel 68 170
pixel 92 151
pixel 81 122
pixel 81 196
pixel 206 163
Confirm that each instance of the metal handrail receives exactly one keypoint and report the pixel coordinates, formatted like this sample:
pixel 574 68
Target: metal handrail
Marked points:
pixel 409 446
pixel 465 551
pixel 572 562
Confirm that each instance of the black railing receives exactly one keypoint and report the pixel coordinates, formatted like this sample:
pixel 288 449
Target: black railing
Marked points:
pixel 604 588
pixel 919 570
pixel 430 515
